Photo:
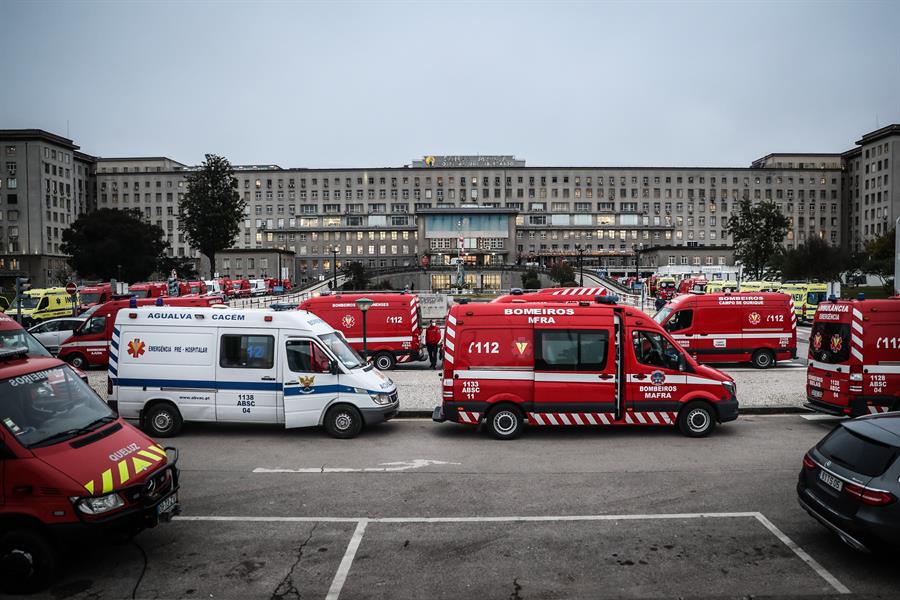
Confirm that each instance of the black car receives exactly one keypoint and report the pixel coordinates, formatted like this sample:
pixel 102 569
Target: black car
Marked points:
pixel 850 481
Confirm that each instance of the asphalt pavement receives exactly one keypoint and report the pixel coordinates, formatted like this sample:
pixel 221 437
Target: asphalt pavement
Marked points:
pixel 413 509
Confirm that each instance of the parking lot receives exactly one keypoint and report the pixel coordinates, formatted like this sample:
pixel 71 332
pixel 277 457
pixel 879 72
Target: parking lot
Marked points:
pixel 413 509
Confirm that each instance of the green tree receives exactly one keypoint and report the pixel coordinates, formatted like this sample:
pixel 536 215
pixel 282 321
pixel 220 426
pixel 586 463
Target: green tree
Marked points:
pixel 880 258
pixel 211 210
pixel 185 268
pixel 356 276
pixel 758 232
pixel 562 273
pixel 813 259
pixel 531 280
pixel 100 242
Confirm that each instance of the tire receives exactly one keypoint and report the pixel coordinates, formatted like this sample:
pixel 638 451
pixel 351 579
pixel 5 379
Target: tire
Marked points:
pixel 385 361
pixel 696 419
pixel 505 422
pixel 763 359
pixel 163 420
pixel 28 561
pixel 78 361
pixel 343 422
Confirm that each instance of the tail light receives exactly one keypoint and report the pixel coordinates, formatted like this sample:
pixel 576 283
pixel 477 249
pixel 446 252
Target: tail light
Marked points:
pixel 808 462
pixel 869 496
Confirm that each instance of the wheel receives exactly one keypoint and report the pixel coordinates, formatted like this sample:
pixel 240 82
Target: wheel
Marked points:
pixel 696 419
pixel 505 422
pixel 28 561
pixel 763 359
pixel 385 361
pixel 343 422
pixel 163 420
pixel 78 361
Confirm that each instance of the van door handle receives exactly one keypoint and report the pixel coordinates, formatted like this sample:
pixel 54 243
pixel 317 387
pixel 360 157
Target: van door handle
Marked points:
pixel 268 378
pixel 606 376
pixel 640 376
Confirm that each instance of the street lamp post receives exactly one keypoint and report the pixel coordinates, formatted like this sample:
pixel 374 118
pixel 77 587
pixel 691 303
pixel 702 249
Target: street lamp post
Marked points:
pixel 363 304
pixel 334 268
pixel 581 250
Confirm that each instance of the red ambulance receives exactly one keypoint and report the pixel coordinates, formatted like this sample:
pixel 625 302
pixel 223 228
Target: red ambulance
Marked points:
pixel 573 294
pixel 91 295
pixel 151 289
pixel 692 284
pixel 507 365
pixel 854 357
pixel 197 288
pixel 759 327
pixel 71 469
pixel 240 288
pixel 89 344
pixel 393 325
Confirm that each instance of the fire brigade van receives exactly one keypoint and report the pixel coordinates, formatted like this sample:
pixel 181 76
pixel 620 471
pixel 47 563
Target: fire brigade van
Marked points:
pixel 240 288
pixel 507 365
pixel 573 294
pixel 692 284
pixel 91 295
pixel 170 365
pixel 197 288
pixel 89 344
pixel 854 357
pixel 70 469
pixel 393 325
pixel 151 289
pixel 807 297
pixel 727 328
pixel 666 288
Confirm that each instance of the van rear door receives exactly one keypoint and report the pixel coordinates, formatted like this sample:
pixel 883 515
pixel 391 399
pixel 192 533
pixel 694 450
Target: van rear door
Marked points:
pixel 247 381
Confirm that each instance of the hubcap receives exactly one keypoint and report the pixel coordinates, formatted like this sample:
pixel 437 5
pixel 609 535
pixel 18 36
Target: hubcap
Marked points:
pixel 343 421
pixel 505 422
pixel 763 360
pixel 383 362
pixel 18 563
pixel 162 421
pixel 698 420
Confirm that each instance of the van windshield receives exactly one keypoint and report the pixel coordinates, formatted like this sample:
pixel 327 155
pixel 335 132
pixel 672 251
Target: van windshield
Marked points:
pixel 139 293
pixel 28 302
pixel 19 338
pixel 347 355
pixel 829 342
pixel 662 315
pixel 50 406
pixel 90 298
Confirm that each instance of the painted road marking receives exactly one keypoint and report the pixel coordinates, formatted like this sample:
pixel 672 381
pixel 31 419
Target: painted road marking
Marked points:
pixel 362 522
pixel 388 467
pixel 818 417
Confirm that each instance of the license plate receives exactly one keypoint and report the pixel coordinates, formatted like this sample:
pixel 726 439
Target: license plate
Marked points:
pixel 167 505
pixel 831 480
pixel 815 393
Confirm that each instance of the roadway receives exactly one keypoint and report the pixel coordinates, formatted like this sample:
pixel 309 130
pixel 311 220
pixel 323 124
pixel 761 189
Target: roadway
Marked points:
pixel 413 509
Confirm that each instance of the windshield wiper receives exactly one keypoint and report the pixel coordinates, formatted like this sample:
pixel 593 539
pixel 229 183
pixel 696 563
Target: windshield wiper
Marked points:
pixel 75 432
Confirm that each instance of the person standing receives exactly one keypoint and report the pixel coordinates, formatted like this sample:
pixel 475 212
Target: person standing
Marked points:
pixel 432 339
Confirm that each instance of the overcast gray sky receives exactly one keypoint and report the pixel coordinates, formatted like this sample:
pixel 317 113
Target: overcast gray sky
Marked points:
pixel 355 84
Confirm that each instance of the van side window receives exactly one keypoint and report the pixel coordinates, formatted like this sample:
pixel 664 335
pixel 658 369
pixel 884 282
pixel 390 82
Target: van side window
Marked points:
pixel 45 301
pixel 95 325
pixel 571 350
pixel 247 352
pixel 652 349
pixel 680 320
pixel 304 356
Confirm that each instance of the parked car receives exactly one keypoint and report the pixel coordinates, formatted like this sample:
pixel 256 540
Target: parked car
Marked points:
pixel 54 332
pixel 849 481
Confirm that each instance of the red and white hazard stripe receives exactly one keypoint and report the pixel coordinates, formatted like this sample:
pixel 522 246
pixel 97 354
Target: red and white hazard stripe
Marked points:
pixel 856 335
pixel 449 338
pixel 598 418
pixel 580 291
pixel 874 410
pixel 470 417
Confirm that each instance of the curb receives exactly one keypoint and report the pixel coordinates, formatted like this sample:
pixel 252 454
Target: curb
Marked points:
pixel 750 410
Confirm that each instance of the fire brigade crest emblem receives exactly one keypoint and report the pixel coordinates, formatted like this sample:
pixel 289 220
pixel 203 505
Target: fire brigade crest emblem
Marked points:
pixel 657 377
pixel 521 346
pixel 306 383
pixel 754 318
pixel 836 343
pixel 136 348
pixel 348 321
pixel 817 341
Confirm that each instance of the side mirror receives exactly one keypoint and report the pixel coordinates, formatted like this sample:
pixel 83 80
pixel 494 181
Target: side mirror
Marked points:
pixel 333 368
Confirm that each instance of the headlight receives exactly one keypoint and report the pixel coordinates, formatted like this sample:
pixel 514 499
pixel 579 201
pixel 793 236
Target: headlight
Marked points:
pixel 100 505
pixel 380 398
pixel 731 387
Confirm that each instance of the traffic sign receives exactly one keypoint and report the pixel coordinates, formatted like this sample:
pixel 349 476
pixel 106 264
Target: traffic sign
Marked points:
pixel 71 288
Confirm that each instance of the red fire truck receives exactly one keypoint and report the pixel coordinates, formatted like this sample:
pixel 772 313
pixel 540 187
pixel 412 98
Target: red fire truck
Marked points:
pixel 724 328
pixel 508 365
pixel 89 344
pixel 854 357
pixel 197 288
pixel 91 295
pixel 70 468
pixel 149 289
pixel 573 294
pixel 393 325
pixel 692 284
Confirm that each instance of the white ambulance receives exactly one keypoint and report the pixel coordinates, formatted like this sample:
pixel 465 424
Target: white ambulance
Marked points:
pixel 168 365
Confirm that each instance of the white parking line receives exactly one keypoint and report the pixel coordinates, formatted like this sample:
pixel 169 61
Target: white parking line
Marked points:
pixel 388 467
pixel 821 417
pixel 362 522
